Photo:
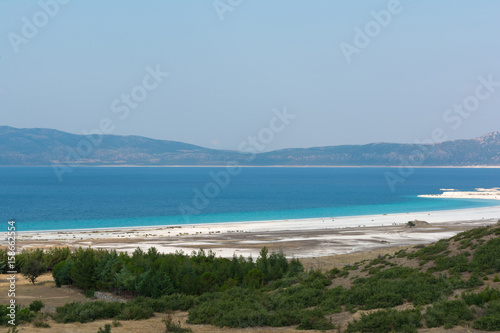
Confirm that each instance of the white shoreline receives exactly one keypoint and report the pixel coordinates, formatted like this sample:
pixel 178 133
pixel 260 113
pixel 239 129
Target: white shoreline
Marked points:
pixel 304 238
pixel 479 193
pixel 441 216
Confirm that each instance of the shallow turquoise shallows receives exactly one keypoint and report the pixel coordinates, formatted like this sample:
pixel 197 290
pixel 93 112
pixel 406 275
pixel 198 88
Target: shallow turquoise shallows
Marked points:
pixel 129 197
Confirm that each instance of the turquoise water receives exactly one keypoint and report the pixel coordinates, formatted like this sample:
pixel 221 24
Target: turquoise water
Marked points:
pixel 129 197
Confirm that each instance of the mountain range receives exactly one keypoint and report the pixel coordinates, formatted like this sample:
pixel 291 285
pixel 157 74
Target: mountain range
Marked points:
pixel 41 147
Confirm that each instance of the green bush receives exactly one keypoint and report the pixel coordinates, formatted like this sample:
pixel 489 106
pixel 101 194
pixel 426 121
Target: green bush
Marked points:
pixel 107 329
pixel 313 320
pixel 237 307
pixel 87 312
pixel 36 306
pixel 430 252
pixel 487 323
pixel 491 320
pixel 23 315
pixel 448 314
pixel 486 256
pixel 135 312
pixel 479 299
pixel 387 321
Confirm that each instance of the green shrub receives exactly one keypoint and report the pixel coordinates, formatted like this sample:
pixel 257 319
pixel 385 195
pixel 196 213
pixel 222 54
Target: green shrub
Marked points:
pixel 479 299
pixel 387 321
pixel 458 263
pixel 87 312
pixel 23 315
pixel 487 323
pixel 313 320
pixel 429 252
pixel 36 306
pixel 135 312
pixel 107 329
pixel 237 307
pixel 448 313
pixel 486 256
pixel 491 320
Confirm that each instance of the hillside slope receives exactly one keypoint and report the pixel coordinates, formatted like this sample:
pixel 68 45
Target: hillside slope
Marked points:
pixel 452 284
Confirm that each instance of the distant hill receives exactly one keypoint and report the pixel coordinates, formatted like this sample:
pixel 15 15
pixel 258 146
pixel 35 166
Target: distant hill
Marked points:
pixel 47 146
pixel 484 150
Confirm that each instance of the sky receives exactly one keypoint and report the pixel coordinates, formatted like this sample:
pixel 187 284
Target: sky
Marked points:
pixel 213 73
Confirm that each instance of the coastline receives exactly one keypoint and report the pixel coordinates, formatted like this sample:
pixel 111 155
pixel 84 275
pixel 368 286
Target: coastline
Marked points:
pixel 316 237
pixel 479 193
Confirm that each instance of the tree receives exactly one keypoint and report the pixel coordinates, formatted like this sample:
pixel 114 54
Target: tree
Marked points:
pixel 82 271
pixel 263 262
pixel 208 282
pixel 61 273
pixel 33 268
pixel 154 284
pixel 254 279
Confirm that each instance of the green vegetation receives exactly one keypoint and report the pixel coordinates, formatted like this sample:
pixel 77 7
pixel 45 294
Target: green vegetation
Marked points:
pixel 388 321
pixel 23 314
pixel 448 314
pixel 107 329
pixel 153 274
pixel 45 258
pixel 273 291
pixel 33 268
pixel 491 320
pixel 36 306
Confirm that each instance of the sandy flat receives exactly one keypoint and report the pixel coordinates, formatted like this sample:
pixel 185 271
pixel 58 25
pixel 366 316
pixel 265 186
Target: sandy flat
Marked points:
pixel 479 193
pixel 297 238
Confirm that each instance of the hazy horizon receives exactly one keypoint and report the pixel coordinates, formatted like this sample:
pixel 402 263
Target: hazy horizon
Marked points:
pixel 211 74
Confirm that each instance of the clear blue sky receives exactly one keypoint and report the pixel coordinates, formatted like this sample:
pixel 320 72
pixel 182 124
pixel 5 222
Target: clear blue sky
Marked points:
pixel 226 76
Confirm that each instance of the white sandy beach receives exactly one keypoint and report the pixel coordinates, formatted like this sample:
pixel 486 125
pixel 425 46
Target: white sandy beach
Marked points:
pixel 298 238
